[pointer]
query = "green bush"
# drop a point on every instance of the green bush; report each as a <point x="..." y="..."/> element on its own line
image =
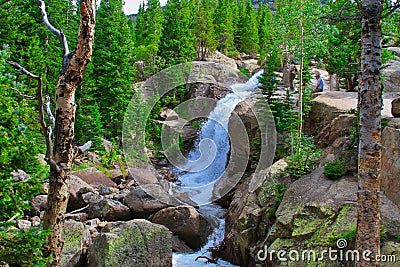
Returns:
<point x="335" y="169"/>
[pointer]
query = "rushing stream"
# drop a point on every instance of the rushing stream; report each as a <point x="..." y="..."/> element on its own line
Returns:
<point x="206" y="163"/>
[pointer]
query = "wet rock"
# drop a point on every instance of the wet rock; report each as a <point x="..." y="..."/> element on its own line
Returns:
<point x="186" y="222"/>
<point x="148" y="199"/>
<point x="132" y="243"/>
<point x="178" y="245"/>
<point x="77" y="188"/>
<point x="76" y="238"/>
<point x="94" y="177"/>
<point x="38" y="204"/>
<point x="109" y="210"/>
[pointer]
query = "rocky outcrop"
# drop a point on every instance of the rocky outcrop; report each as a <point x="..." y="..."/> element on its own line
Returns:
<point x="315" y="212"/>
<point x="142" y="176"/>
<point x="248" y="64"/>
<point x="148" y="199"/>
<point x="38" y="204"/>
<point x="94" y="177"/>
<point x="391" y="76"/>
<point x="338" y="127"/>
<point x="186" y="222"/>
<point x="391" y="160"/>
<point x="132" y="243"/>
<point x="251" y="213"/>
<point x="220" y="58"/>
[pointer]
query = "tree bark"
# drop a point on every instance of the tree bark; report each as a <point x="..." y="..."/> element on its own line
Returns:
<point x="74" y="66"/>
<point x="369" y="159"/>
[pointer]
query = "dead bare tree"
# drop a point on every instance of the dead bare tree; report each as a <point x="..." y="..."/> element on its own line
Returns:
<point x="60" y="134"/>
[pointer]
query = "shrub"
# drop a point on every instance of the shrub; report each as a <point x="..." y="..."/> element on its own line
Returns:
<point x="335" y="169"/>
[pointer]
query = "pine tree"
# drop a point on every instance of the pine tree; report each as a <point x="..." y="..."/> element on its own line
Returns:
<point x="247" y="36"/>
<point x="140" y="26"/>
<point x="224" y="28"/>
<point x="154" y="23"/>
<point x="110" y="78"/>
<point x="204" y="29"/>
<point x="177" y="40"/>
<point x="265" y="33"/>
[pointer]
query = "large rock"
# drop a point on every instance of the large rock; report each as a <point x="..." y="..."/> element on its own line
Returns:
<point x="94" y="177"/>
<point x="186" y="222"/>
<point x="109" y="210"/>
<point x="77" y="188"/>
<point x="391" y="160"/>
<point x="132" y="243"/>
<point x="391" y="76"/>
<point x="220" y="58"/>
<point x="148" y="199"/>
<point x="76" y="238"/>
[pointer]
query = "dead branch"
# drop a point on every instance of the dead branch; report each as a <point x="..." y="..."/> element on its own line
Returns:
<point x="208" y="259"/>
<point x="78" y="210"/>
<point x="58" y="33"/>
<point x="49" y="113"/>
<point x="23" y="95"/>
<point x="85" y="147"/>
<point x="19" y="68"/>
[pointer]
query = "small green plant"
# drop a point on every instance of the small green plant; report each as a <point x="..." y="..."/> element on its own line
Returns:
<point x="384" y="123"/>
<point x="335" y="169"/>
<point x="279" y="190"/>
<point x="398" y="238"/>
<point x="245" y="72"/>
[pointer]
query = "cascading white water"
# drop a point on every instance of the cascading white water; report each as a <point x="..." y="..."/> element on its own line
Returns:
<point x="207" y="162"/>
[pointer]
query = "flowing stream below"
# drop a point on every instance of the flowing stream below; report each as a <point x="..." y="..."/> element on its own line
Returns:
<point x="206" y="163"/>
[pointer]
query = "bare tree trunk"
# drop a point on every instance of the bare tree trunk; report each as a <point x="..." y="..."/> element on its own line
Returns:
<point x="369" y="159"/>
<point x="74" y="66"/>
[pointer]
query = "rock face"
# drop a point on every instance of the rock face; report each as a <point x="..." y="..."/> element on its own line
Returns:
<point x="338" y="127"/>
<point x="391" y="160"/>
<point x="186" y="222"/>
<point x="250" y="213"/>
<point x="248" y="64"/>
<point x="132" y="243"/>
<point x="315" y="212"/>
<point x="392" y="76"/>
<point x="94" y="177"/>
<point x="142" y="176"/>
<point x="148" y="199"/>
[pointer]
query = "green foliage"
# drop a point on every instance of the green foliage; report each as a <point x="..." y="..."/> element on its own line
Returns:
<point x="279" y="190"/>
<point x="22" y="248"/>
<point x="21" y="143"/>
<point x="203" y="28"/>
<point x="335" y="169"/>
<point x="224" y="19"/>
<point x="247" y="39"/>
<point x="303" y="157"/>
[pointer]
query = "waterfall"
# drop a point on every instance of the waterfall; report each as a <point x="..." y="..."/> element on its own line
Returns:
<point x="206" y="163"/>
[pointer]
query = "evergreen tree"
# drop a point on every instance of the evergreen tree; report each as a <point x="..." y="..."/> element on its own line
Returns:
<point x="204" y="29"/>
<point x="140" y="27"/>
<point x="248" y="40"/>
<point x="177" y="40"/>
<point x="224" y="28"/>
<point x="108" y="87"/>
<point x="154" y="22"/>
<point x="265" y="33"/>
